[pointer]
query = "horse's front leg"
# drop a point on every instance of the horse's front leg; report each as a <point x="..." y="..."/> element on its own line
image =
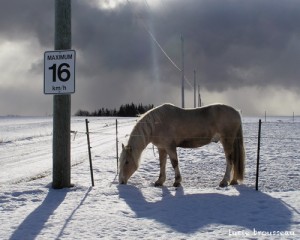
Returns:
<point x="174" y="161"/>
<point x="162" y="164"/>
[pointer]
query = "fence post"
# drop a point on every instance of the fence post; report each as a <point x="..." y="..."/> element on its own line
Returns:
<point x="265" y="116"/>
<point x="117" y="146"/>
<point x="293" y="116"/>
<point x="89" y="149"/>
<point x="258" y="152"/>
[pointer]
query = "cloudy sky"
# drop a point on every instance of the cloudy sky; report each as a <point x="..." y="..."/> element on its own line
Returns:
<point x="246" y="53"/>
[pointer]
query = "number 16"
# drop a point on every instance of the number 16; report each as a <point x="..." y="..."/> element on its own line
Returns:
<point x="61" y="72"/>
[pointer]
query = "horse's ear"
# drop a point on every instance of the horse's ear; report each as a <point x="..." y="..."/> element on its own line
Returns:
<point x="129" y="148"/>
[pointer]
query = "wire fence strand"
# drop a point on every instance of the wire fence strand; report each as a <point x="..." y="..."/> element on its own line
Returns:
<point x="105" y="129"/>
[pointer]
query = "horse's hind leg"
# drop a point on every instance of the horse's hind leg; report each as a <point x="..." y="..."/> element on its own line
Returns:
<point x="227" y="174"/>
<point x="162" y="164"/>
<point x="174" y="161"/>
<point x="228" y="148"/>
<point x="234" y="180"/>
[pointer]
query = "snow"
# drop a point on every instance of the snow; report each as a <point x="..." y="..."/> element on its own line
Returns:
<point x="31" y="209"/>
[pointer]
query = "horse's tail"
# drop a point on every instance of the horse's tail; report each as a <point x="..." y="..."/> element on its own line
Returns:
<point x="238" y="155"/>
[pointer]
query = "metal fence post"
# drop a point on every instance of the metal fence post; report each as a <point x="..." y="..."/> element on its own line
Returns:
<point x="89" y="149"/>
<point x="117" y="146"/>
<point x="258" y="153"/>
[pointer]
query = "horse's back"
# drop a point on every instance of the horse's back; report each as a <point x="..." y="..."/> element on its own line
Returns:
<point x="219" y="111"/>
<point x="194" y="127"/>
<point x="210" y="113"/>
<point x="221" y="117"/>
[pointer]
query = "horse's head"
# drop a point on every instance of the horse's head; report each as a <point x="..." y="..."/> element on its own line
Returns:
<point x="127" y="164"/>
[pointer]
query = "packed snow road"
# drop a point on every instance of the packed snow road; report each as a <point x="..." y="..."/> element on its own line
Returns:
<point x="26" y="144"/>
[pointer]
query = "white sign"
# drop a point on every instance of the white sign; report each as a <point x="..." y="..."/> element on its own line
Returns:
<point x="59" y="72"/>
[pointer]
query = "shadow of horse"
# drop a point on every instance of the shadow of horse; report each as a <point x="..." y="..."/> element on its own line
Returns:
<point x="191" y="212"/>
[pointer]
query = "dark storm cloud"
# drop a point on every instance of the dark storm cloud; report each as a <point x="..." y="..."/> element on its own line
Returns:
<point x="111" y="37"/>
<point x="21" y="19"/>
<point x="231" y="43"/>
<point x="239" y="42"/>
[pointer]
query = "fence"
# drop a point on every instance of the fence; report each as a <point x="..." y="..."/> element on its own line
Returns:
<point x="280" y="155"/>
<point x="277" y="151"/>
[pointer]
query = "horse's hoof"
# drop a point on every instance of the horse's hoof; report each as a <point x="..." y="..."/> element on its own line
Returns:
<point x="176" y="184"/>
<point x="223" y="184"/>
<point x="157" y="184"/>
<point x="234" y="182"/>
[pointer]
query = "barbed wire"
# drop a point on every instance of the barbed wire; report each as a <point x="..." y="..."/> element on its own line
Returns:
<point x="190" y="138"/>
<point x="107" y="126"/>
<point x="280" y="122"/>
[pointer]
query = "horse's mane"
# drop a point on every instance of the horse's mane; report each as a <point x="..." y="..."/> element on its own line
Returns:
<point x="142" y="131"/>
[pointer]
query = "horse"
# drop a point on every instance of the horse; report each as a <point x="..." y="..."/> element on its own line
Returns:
<point x="168" y="127"/>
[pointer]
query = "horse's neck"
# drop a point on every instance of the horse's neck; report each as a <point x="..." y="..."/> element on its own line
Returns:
<point x="139" y="139"/>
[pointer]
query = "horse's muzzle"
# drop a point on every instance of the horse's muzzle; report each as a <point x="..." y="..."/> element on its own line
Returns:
<point x="122" y="181"/>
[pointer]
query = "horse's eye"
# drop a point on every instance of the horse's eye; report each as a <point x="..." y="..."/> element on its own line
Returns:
<point x="126" y="162"/>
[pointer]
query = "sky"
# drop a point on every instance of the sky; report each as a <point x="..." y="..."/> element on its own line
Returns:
<point x="246" y="54"/>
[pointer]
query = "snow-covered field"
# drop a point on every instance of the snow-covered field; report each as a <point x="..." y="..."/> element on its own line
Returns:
<point x="31" y="209"/>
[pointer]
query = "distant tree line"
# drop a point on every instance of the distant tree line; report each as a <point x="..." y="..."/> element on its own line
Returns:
<point x="127" y="110"/>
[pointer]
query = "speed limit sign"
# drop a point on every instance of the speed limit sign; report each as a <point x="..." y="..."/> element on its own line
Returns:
<point x="59" y="72"/>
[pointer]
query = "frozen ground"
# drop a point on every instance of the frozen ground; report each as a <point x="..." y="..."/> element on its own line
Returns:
<point x="30" y="209"/>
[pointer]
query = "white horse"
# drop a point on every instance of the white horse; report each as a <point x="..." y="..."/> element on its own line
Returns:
<point x="169" y="127"/>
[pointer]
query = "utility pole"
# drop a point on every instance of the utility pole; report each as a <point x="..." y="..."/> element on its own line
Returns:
<point x="199" y="97"/>
<point x="194" y="88"/>
<point x="182" y="72"/>
<point x="62" y="103"/>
